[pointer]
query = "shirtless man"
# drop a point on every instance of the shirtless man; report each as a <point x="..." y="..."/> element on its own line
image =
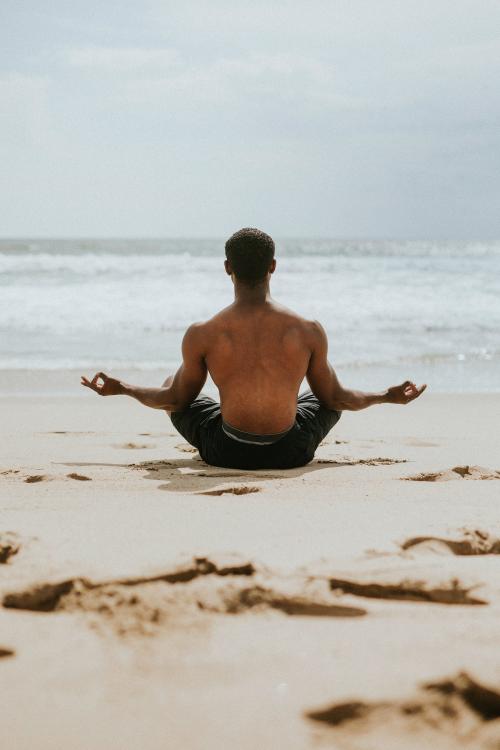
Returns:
<point x="257" y="353"/>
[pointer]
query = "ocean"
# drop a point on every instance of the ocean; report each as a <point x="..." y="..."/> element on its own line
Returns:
<point x="428" y="311"/>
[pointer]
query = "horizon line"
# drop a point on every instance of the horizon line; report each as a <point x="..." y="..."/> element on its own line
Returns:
<point x="218" y="238"/>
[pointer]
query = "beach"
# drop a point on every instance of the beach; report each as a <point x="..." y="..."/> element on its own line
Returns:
<point x="247" y="201"/>
<point x="151" y="600"/>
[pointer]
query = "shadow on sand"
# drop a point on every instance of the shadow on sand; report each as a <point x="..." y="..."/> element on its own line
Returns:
<point x="195" y="476"/>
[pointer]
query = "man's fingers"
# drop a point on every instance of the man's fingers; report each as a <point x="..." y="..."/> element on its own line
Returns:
<point x="98" y="376"/>
<point x="411" y="391"/>
<point x="92" y="384"/>
<point x="417" y="392"/>
<point x="406" y="392"/>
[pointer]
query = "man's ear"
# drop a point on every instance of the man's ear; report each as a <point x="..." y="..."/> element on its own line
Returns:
<point x="272" y="267"/>
<point x="228" y="268"/>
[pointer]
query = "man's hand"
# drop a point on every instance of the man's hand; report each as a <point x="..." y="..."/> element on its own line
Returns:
<point x="404" y="393"/>
<point x="108" y="387"/>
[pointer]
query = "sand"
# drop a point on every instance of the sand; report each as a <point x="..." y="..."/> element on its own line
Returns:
<point x="152" y="601"/>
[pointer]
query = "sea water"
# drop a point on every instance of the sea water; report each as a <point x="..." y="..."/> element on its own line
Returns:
<point x="393" y="310"/>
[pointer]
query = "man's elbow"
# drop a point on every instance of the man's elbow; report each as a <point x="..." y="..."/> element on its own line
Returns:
<point x="334" y="404"/>
<point x="343" y="402"/>
<point x="175" y="403"/>
<point x="343" y="406"/>
<point x="167" y="401"/>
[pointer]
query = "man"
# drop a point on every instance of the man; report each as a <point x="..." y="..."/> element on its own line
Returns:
<point x="257" y="353"/>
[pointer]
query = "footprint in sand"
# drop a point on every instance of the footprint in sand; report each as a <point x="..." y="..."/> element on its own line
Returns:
<point x="134" y="446"/>
<point x="451" y="592"/>
<point x="7" y="472"/>
<point x="362" y="461"/>
<point x="9" y="546"/>
<point x="169" y="466"/>
<point x="473" y="542"/>
<point x="220" y="474"/>
<point x="35" y="478"/>
<point x="186" y="448"/>
<point x="441" y="714"/>
<point x="242" y="490"/>
<point x="78" y="477"/>
<point x="261" y="598"/>
<point x="46" y="597"/>
<point x="457" y="472"/>
<point x="223" y="585"/>
<point x="140" y="607"/>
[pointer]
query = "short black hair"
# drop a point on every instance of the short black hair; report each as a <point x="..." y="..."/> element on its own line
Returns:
<point x="250" y="252"/>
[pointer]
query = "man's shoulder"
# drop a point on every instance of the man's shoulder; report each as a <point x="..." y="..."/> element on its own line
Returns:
<point x="196" y="328"/>
<point x="292" y="315"/>
<point x="195" y="334"/>
<point x="309" y="327"/>
<point x="228" y="315"/>
<point x="200" y="330"/>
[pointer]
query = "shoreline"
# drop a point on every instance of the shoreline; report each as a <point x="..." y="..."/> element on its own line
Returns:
<point x="18" y="383"/>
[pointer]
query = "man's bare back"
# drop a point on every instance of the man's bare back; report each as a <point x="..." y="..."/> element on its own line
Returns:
<point x="257" y="356"/>
<point x="257" y="353"/>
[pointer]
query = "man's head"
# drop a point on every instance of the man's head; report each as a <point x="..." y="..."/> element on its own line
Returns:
<point x="250" y="255"/>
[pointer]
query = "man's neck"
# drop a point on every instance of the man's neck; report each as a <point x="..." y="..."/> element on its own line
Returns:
<point x="252" y="295"/>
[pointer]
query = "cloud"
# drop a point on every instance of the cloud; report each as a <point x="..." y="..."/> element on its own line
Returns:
<point x="162" y="77"/>
<point x="348" y="116"/>
<point x="228" y="78"/>
<point x="121" y="59"/>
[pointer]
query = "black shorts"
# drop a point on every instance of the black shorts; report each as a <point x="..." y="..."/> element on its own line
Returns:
<point x="201" y="425"/>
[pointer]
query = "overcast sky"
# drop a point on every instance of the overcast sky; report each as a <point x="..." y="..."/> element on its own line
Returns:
<point x="341" y="118"/>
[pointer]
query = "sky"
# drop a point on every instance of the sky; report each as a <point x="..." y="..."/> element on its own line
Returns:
<point x="326" y="118"/>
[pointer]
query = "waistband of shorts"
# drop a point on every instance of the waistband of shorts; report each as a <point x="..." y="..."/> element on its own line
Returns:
<point x="252" y="438"/>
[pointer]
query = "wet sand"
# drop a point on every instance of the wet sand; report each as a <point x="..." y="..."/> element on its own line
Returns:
<point x="152" y="601"/>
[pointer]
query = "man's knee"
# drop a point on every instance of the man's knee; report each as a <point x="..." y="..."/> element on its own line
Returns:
<point x="333" y="418"/>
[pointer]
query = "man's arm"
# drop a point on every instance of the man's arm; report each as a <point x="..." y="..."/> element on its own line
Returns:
<point x="326" y="387"/>
<point x="180" y="391"/>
